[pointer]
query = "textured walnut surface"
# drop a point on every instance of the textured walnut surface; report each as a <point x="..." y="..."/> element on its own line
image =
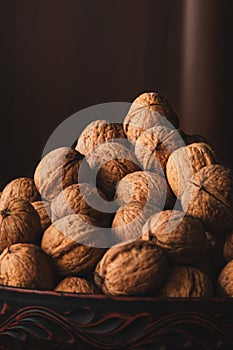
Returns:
<point x="186" y="282"/>
<point x="129" y="220"/>
<point x="131" y="269"/>
<point x="22" y="187"/>
<point x="73" y="243"/>
<point x="228" y="246"/>
<point x="19" y="223"/>
<point x="43" y="209"/>
<point x="148" y="110"/>
<point x="82" y="198"/>
<point x="26" y="266"/>
<point x="225" y="281"/>
<point x="155" y="145"/>
<point x="182" y="237"/>
<point x="111" y="161"/>
<point x="56" y="171"/>
<point x="144" y="187"/>
<point x="97" y="132"/>
<point x="209" y="197"/>
<point x="185" y="162"/>
<point x="76" y="285"/>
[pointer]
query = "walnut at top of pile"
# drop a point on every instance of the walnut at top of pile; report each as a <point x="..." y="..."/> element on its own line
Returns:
<point x="22" y="187"/>
<point x="97" y="132"/>
<point x="57" y="170"/>
<point x="148" y="110"/>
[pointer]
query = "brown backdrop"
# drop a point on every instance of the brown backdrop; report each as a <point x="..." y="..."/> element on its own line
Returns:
<point x="58" y="57"/>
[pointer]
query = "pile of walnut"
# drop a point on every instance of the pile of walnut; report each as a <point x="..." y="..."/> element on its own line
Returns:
<point x="173" y="223"/>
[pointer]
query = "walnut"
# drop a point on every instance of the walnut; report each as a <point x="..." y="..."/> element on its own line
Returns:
<point x="97" y="132"/>
<point x="155" y="146"/>
<point x="111" y="162"/>
<point x="129" y="220"/>
<point x="144" y="187"/>
<point x="73" y="243"/>
<point x="182" y="237"/>
<point x="43" y="209"/>
<point x="148" y="110"/>
<point x="76" y="285"/>
<point x="84" y="199"/>
<point x="228" y="246"/>
<point x="184" y="282"/>
<point x="26" y="266"/>
<point x="225" y="281"/>
<point x="56" y="171"/>
<point x="19" y="223"/>
<point x="209" y="197"/>
<point x="185" y="162"/>
<point x="22" y="187"/>
<point x="135" y="268"/>
<point x="206" y="266"/>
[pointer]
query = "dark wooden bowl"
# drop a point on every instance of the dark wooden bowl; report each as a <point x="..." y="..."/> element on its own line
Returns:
<point x="53" y="320"/>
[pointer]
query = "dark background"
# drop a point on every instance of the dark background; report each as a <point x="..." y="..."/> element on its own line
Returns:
<point x="58" y="57"/>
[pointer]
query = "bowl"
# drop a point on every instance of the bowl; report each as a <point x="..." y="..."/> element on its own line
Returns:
<point x="55" y="320"/>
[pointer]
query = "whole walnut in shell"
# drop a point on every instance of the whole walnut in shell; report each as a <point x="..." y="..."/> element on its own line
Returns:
<point x="148" y="110"/>
<point x="225" y="281"/>
<point x="97" y="132"/>
<point x="111" y="162"/>
<point x="182" y="237"/>
<point x="185" y="162"/>
<point x="19" y="223"/>
<point x="129" y="220"/>
<point x="135" y="268"/>
<point x="75" y="244"/>
<point x="84" y="199"/>
<point x="228" y="246"/>
<point x="155" y="146"/>
<point x="209" y="197"/>
<point x="43" y="209"/>
<point x="56" y="171"/>
<point x="76" y="285"/>
<point x="22" y="187"/>
<point x="186" y="282"/>
<point x="144" y="187"/>
<point x="26" y="266"/>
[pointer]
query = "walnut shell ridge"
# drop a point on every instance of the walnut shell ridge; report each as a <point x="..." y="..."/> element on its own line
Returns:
<point x="26" y="266"/>
<point x="135" y="268"/>
<point x="73" y="284"/>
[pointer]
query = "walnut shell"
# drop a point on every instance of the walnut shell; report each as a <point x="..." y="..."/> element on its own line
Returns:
<point x="84" y="199"/>
<point x="225" y="281"/>
<point x="73" y="243"/>
<point x="56" y="171"/>
<point x="185" y="162"/>
<point x="155" y="146"/>
<point x="209" y="197"/>
<point x="182" y="237"/>
<point x="23" y="188"/>
<point x="186" y="282"/>
<point x="76" y="285"/>
<point x="144" y="187"/>
<point x="97" y="132"/>
<point x="129" y="220"/>
<point x="26" y="266"/>
<point x="19" y="223"/>
<point x="228" y="247"/>
<point x="135" y="268"/>
<point x="111" y="162"/>
<point x="148" y="110"/>
<point x="43" y="209"/>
